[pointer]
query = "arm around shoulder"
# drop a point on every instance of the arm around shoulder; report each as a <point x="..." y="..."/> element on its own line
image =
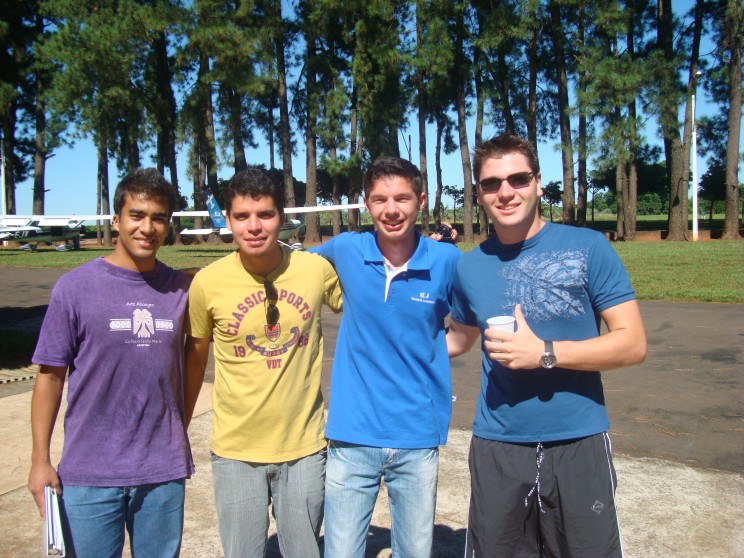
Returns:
<point x="460" y="338"/>
<point x="196" y="356"/>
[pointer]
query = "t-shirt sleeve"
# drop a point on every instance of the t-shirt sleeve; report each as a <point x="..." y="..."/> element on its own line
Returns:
<point x="609" y="283"/>
<point x="462" y="311"/>
<point x="58" y="339"/>
<point x="200" y="321"/>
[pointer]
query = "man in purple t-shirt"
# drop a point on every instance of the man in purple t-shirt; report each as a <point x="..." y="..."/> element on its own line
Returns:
<point x="117" y="324"/>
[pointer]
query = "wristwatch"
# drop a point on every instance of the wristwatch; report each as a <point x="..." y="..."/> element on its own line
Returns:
<point x="548" y="359"/>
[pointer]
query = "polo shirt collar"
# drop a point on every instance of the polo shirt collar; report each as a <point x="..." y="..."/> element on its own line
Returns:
<point x="419" y="260"/>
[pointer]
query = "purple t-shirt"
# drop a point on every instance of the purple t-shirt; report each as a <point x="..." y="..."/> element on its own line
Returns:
<point x="121" y="333"/>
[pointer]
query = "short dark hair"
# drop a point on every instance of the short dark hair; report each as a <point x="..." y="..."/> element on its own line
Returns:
<point x="499" y="146"/>
<point x="386" y="167"/>
<point x="149" y="183"/>
<point x="254" y="183"/>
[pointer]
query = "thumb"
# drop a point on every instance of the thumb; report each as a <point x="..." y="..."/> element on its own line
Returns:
<point x="519" y="317"/>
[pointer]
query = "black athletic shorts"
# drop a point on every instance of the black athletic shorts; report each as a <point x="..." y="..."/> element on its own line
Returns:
<point x="554" y="499"/>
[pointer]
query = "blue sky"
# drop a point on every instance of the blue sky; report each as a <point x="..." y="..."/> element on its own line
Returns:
<point x="71" y="173"/>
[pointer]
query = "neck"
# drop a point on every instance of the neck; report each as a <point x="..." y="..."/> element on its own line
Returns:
<point x="397" y="252"/>
<point x="141" y="266"/>
<point x="510" y="235"/>
<point x="261" y="265"/>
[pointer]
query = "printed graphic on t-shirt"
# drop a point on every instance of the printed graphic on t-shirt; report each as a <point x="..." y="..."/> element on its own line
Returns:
<point x="143" y="325"/>
<point x="548" y="284"/>
<point x="275" y="340"/>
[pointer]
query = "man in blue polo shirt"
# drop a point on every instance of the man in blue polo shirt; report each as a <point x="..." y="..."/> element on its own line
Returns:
<point x="391" y="393"/>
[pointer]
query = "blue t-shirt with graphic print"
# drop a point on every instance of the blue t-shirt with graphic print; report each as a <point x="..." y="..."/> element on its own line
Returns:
<point x="563" y="277"/>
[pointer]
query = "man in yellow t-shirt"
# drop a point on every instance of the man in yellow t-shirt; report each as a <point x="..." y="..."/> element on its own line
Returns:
<point x="261" y="307"/>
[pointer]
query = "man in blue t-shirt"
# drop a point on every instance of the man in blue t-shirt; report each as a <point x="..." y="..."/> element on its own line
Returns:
<point x="391" y="394"/>
<point x="542" y="480"/>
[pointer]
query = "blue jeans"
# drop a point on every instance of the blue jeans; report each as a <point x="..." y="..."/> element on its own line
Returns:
<point x="243" y="492"/>
<point x="353" y="477"/>
<point x="94" y="518"/>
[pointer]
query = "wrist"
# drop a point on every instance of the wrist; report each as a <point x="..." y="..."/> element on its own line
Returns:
<point x="548" y="359"/>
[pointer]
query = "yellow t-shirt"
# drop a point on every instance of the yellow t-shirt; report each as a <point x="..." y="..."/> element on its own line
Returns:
<point x="268" y="407"/>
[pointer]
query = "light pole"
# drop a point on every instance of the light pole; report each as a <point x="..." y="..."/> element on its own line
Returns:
<point x="694" y="164"/>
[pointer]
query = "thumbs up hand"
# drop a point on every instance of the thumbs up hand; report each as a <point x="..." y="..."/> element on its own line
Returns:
<point x="519" y="350"/>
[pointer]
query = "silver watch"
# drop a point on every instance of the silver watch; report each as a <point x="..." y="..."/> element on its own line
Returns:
<point x="548" y="359"/>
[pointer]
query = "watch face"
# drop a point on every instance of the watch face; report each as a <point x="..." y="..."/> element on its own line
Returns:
<point x="548" y="360"/>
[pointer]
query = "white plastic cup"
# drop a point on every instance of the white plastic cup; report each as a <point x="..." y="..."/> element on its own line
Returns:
<point x="502" y="323"/>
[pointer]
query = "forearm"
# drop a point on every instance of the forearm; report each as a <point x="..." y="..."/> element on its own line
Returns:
<point x="45" y="402"/>
<point x="460" y="338"/>
<point x="196" y="356"/>
<point x="614" y="349"/>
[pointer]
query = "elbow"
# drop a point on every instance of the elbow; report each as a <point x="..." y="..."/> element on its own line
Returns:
<point x="637" y="354"/>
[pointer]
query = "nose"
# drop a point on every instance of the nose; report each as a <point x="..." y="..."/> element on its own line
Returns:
<point x="390" y="206"/>
<point x="146" y="225"/>
<point x="505" y="190"/>
<point x="253" y="224"/>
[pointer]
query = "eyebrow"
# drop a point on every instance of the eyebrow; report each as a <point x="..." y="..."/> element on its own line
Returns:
<point x="140" y="212"/>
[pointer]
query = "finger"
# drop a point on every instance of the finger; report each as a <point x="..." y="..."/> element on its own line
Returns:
<point x="519" y="318"/>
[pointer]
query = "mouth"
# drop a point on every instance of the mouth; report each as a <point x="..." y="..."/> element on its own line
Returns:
<point x="146" y="243"/>
<point x="254" y="242"/>
<point x="393" y="226"/>
<point x="508" y="207"/>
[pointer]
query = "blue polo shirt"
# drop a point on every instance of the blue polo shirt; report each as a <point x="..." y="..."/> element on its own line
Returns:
<point x="391" y="384"/>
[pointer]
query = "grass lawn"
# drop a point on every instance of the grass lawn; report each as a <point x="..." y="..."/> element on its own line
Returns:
<point x="710" y="271"/>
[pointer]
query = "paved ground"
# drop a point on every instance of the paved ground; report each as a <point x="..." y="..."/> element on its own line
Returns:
<point x="677" y="428"/>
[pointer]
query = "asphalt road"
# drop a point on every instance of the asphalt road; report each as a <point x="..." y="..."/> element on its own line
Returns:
<point x="684" y="404"/>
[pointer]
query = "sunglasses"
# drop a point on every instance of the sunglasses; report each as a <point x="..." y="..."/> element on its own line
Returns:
<point x="516" y="180"/>
<point x="272" y="311"/>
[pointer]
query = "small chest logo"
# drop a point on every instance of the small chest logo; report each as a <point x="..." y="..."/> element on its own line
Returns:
<point x="273" y="332"/>
<point x="142" y="324"/>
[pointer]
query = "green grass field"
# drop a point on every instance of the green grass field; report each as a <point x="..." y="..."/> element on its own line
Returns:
<point x="711" y="271"/>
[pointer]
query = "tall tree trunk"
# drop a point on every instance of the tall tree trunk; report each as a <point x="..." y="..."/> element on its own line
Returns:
<point x="270" y="133"/>
<point x="460" y="102"/>
<point x="312" y="234"/>
<point x="734" y="46"/>
<point x="285" y="132"/>
<point x="40" y="151"/>
<point x="438" y="167"/>
<point x="621" y="182"/>
<point x="556" y="32"/>
<point x="166" y="116"/>
<point x="236" y="127"/>
<point x="479" y="118"/>
<point x="582" y="139"/>
<point x="9" y="126"/>
<point x="532" y="88"/>
<point x="503" y="86"/>
<point x="678" y="150"/>
<point x="422" y="113"/>
<point x="336" y="216"/>
<point x="103" y="184"/>
<point x="355" y="149"/>
<point x="631" y="209"/>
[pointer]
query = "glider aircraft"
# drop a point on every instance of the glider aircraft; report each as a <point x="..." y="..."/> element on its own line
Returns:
<point x="33" y="229"/>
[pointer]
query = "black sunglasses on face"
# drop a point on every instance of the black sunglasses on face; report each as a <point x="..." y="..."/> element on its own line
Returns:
<point x="272" y="312"/>
<point x="516" y="180"/>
